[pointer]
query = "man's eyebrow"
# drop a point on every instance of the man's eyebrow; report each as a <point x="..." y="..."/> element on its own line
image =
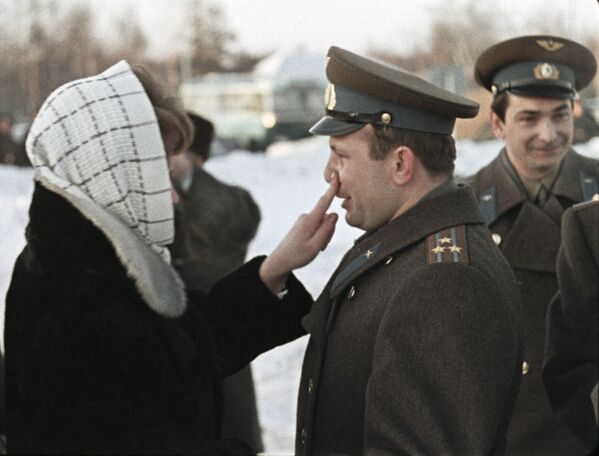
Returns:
<point x="561" y="107"/>
<point x="529" y="112"/>
<point x="536" y="112"/>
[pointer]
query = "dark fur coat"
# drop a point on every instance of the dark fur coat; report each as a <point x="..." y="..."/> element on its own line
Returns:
<point x="91" y="368"/>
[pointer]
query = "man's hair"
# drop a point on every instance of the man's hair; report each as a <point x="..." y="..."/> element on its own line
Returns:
<point x="435" y="151"/>
<point x="175" y="127"/>
<point x="499" y="105"/>
<point x="204" y="134"/>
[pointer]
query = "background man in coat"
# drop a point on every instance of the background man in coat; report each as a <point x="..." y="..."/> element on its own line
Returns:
<point x="570" y="367"/>
<point x="215" y="223"/>
<point x="523" y="194"/>
<point x="415" y="344"/>
<point x="11" y="153"/>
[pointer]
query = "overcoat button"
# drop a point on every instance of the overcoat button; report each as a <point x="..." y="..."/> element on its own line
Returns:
<point x="304" y="435"/>
<point x="352" y="292"/>
<point x="388" y="260"/>
<point x="525" y="368"/>
<point x="496" y="238"/>
<point x="310" y="386"/>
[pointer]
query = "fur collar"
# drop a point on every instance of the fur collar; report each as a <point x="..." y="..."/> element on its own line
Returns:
<point x="157" y="282"/>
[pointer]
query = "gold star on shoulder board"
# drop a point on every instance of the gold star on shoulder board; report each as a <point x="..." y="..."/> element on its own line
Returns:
<point x="369" y="253"/>
<point x="455" y="248"/>
<point x="438" y="249"/>
<point x="446" y="240"/>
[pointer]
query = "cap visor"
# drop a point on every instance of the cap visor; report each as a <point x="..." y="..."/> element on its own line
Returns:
<point x="327" y="126"/>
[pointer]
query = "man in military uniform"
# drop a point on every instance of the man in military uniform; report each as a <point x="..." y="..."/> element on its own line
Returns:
<point x="523" y="194"/>
<point x="415" y="342"/>
<point x="570" y="368"/>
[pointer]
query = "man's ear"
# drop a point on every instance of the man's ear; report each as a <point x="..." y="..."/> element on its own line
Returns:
<point x="497" y="126"/>
<point x="402" y="161"/>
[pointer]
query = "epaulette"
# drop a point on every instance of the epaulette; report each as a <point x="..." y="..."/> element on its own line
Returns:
<point x="448" y="246"/>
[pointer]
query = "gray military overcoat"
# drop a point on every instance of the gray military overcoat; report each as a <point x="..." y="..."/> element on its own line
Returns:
<point x="415" y="342"/>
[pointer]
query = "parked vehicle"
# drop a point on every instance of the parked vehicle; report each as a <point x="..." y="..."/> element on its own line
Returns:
<point x="281" y="99"/>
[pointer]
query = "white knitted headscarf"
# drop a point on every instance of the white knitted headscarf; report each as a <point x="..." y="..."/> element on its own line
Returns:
<point x="99" y="138"/>
<point x="96" y="142"/>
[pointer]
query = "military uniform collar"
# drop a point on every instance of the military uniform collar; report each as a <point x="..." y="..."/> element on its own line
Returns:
<point x="567" y="183"/>
<point x="447" y="205"/>
<point x="500" y="174"/>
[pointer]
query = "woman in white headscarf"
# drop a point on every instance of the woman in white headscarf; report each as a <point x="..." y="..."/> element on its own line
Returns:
<point x="106" y="352"/>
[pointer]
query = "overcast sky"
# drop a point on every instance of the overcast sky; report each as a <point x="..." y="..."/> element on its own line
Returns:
<point x="263" y="25"/>
<point x="398" y="25"/>
<point x="358" y="24"/>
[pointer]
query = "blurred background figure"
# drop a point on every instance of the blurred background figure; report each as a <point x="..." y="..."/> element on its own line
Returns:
<point x="215" y="223"/>
<point x="585" y="125"/>
<point x="11" y="153"/>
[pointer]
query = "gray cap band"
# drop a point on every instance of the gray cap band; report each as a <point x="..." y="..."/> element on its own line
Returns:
<point x="348" y="102"/>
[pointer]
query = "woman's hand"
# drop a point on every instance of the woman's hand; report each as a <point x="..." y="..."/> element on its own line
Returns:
<point x="309" y="235"/>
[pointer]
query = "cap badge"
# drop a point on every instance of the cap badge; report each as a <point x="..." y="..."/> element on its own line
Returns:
<point x="550" y="45"/>
<point x="546" y="71"/>
<point x="330" y="98"/>
<point x="386" y="118"/>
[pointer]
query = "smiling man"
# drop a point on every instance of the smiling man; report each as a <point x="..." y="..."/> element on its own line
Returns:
<point x="415" y="343"/>
<point x="523" y="194"/>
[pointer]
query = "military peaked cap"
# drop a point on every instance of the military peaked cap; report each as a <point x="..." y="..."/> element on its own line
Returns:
<point x="538" y="65"/>
<point x="364" y="91"/>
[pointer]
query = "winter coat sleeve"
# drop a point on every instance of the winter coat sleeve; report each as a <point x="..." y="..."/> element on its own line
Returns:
<point x="450" y="340"/>
<point x="246" y="319"/>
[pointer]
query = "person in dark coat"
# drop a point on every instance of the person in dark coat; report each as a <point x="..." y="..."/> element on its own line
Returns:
<point x="585" y="125"/>
<point x="11" y="153"/>
<point x="214" y="224"/>
<point x="106" y="351"/>
<point x="570" y="368"/>
<point x="415" y="343"/>
<point x="523" y="194"/>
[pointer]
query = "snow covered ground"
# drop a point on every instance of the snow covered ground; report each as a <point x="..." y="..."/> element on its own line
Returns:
<point x="285" y="182"/>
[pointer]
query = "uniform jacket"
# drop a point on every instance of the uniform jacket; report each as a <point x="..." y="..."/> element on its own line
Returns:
<point x="215" y="223"/>
<point x="529" y="238"/>
<point x="415" y="344"/>
<point x="92" y="369"/>
<point x="571" y="358"/>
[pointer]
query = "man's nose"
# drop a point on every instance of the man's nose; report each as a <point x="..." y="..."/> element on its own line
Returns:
<point x="329" y="168"/>
<point x="547" y="131"/>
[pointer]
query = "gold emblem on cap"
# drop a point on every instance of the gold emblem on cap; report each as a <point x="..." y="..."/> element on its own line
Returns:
<point x="330" y="98"/>
<point x="546" y="71"/>
<point x="386" y="118"/>
<point x="550" y="45"/>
